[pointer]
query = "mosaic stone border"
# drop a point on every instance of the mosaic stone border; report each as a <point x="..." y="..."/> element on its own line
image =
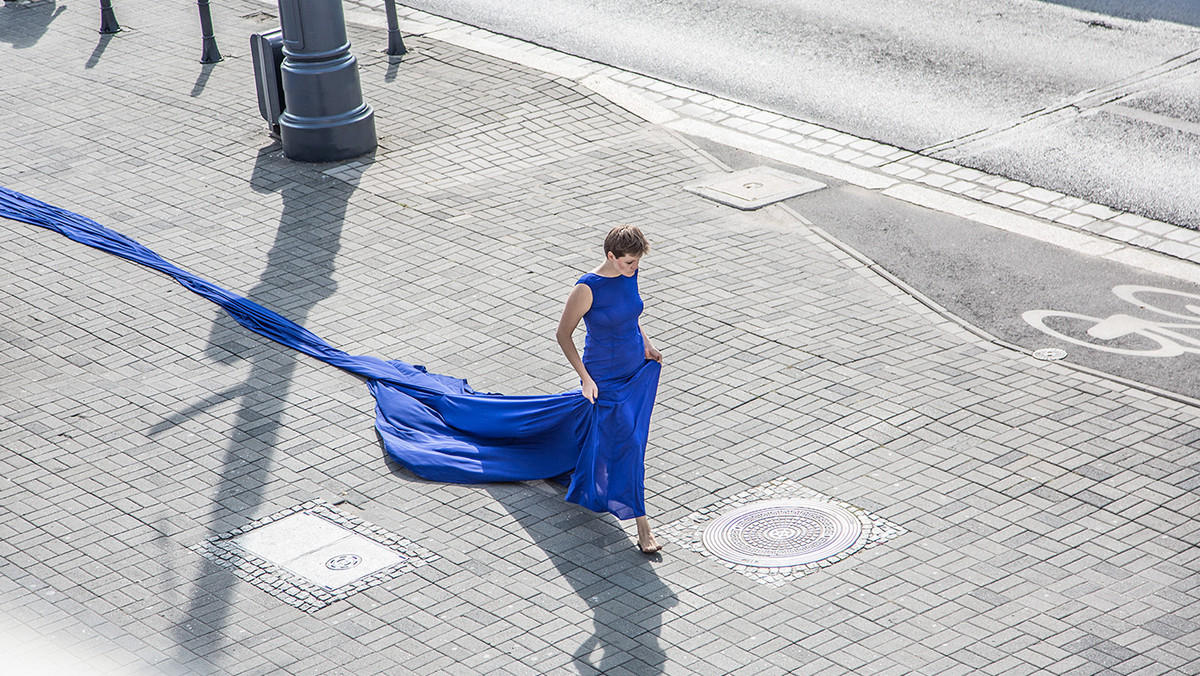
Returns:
<point x="688" y="532"/>
<point x="299" y="591"/>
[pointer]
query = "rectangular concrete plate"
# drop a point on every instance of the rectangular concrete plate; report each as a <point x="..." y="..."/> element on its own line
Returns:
<point x="313" y="554"/>
<point x="318" y="550"/>
<point x="754" y="188"/>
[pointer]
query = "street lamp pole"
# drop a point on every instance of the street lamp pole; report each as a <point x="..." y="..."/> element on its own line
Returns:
<point x="325" y="118"/>
<point x="395" y="48"/>
<point x="209" y="53"/>
<point x="108" y="19"/>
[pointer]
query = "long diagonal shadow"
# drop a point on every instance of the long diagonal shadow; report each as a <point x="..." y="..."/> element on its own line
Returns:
<point x="298" y="275"/>
<point x="598" y="559"/>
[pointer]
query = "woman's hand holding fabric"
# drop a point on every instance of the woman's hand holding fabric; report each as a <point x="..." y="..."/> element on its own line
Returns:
<point x="590" y="391"/>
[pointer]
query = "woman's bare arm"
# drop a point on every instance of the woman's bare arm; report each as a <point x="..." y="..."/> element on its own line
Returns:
<point x="578" y="303"/>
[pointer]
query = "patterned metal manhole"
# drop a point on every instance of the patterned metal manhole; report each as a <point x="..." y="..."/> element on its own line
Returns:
<point x="781" y="533"/>
<point x="1049" y="354"/>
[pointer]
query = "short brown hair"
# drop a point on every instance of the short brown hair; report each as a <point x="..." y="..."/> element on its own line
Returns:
<point x="626" y="240"/>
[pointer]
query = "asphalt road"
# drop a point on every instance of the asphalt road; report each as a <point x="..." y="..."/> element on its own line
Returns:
<point x="991" y="278"/>
<point x="1094" y="98"/>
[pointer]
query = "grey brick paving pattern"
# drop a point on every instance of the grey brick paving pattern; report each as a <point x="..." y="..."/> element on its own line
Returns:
<point x="1051" y="515"/>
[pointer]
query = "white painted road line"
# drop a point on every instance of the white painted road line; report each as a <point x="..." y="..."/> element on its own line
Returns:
<point x="1153" y="118"/>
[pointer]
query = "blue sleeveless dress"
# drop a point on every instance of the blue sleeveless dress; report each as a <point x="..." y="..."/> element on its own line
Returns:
<point x="610" y="473"/>
<point x="438" y="426"/>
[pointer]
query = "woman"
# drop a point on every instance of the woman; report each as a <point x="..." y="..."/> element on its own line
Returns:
<point x="616" y="380"/>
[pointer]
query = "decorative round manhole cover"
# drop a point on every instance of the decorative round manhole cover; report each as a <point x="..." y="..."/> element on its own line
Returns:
<point x="1049" y="354"/>
<point x="782" y="533"/>
<point x="343" y="562"/>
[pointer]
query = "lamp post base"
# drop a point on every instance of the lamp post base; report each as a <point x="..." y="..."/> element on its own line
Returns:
<point x="209" y="53"/>
<point x="328" y="139"/>
<point x="324" y="116"/>
<point x="108" y="19"/>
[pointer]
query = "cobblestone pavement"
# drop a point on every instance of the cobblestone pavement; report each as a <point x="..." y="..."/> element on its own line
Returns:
<point x="1050" y="515"/>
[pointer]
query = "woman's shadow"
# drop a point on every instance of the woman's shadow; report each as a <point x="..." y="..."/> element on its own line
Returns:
<point x="603" y="565"/>
<point x="604" y="568"/>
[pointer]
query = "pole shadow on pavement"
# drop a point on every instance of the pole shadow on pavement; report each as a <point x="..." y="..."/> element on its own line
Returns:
<point x="94" y="58"/>
<point x="202" y="79"/>
<point x="23" y="25"/>
<point x="298" y="275"/>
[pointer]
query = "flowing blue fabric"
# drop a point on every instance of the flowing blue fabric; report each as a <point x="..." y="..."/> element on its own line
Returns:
<point x="436" y="425"/>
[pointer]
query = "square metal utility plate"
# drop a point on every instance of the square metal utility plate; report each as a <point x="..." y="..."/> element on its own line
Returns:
<point x="754" y="188"/>
<point x="313" y="554"/>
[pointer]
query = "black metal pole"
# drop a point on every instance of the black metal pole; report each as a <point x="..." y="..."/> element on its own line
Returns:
<point x="324" y="116"/>
<point x="395" y="42"/>
<point x="210" y="53"/>
<point x="108" y="20"/>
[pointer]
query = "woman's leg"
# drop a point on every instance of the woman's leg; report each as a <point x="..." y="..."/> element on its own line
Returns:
<point x="646" y="541"/>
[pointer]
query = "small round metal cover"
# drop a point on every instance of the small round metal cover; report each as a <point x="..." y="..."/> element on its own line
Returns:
<point x="783" y="533"/>
<point x="1049" y="354"/>
<point x="343" y="562"/>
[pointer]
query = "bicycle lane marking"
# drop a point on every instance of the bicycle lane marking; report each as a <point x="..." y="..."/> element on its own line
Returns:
<point x="1170" y="341"/>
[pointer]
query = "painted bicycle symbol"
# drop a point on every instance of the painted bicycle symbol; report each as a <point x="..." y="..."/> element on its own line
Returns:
<point x="1159" y="338"/>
